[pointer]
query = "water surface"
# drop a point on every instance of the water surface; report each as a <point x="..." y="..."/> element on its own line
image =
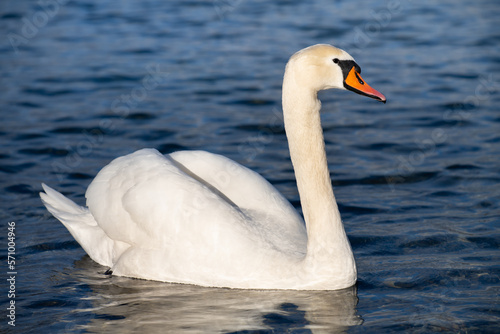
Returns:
<point x="417" y="179"/>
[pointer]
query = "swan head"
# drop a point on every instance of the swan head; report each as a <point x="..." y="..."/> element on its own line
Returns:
<point x="323" y="66"/>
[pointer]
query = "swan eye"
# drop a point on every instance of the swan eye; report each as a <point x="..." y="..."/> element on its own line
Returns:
<point x="336" y="60"/>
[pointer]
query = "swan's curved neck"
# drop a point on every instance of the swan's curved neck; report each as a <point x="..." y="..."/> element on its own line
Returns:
<point x="301" y="110"/>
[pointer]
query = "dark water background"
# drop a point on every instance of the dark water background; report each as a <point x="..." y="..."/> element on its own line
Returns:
<point x="417" y="179"/>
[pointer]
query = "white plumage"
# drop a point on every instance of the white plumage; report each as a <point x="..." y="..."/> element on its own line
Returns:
<point x="200" y="218"/>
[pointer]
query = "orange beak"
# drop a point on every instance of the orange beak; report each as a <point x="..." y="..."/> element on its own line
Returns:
<point x="355" y="83"/>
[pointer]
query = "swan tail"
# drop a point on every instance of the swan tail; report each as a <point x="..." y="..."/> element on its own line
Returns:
<point x="81" y="224"/>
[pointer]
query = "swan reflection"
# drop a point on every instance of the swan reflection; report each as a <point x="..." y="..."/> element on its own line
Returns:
<point x="125" y="305"/>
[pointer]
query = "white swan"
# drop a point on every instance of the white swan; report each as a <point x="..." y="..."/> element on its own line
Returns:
<point x="200" y="218"/>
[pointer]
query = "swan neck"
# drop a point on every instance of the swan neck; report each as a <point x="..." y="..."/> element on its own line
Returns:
<point x="301" y="110"/>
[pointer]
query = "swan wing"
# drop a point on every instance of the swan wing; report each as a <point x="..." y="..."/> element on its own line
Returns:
<point x="145" y="199"/>
<point x="181" y="227"/>
<point x="270" y="213"/>
<point x="247" y="189"/>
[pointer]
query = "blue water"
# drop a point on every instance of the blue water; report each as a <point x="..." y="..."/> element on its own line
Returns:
<point x="417" y="180"/>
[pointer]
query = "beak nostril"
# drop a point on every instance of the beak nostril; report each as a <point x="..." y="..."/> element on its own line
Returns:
<point x="359" y="79"/>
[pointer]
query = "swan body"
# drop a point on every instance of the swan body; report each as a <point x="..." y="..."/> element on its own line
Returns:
<point x="199" y="218"/>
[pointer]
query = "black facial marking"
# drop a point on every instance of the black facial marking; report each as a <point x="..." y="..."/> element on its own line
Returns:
<point x="347" y="65"/>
